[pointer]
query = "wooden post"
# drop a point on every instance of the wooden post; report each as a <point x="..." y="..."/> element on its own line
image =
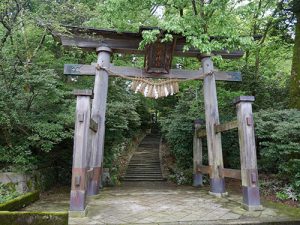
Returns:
<point x="214" y="145"/>
<point x="197" y="155"/>
<point x="98" y="115"/>
<point x="251" y="196"/>
<point x="79" y="169"/>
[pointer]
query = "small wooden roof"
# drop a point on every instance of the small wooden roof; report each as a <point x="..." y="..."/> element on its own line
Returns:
<point x="127" y="42"/>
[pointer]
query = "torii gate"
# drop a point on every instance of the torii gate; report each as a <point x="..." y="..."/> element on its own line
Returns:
<point x="90" y="126"/>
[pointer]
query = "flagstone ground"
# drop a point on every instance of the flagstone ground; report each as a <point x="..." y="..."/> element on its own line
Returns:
<point x="162" y="203"/>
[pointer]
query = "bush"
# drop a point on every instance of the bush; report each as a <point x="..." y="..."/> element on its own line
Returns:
<point x="278" y="140"/>
<point x="8" y="192"/>
<point x="181" y="177"/>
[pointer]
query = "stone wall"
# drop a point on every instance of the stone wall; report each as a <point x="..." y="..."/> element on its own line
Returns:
<point x="23" y="183"/>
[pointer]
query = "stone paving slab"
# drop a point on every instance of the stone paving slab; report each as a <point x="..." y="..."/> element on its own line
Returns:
<point x="156" y="203"/>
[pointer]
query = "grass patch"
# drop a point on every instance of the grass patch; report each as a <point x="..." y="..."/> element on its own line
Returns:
<point x="33" y="218"/>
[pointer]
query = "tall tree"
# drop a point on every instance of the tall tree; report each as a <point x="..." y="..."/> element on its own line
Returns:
<point x="295" y="75"/>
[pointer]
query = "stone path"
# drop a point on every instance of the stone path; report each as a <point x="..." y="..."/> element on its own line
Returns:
<point x="154" y="203"/>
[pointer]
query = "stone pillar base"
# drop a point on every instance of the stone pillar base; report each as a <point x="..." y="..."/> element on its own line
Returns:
<point x="197" y="180"/>
<point x="218" y="195"/>
<point x="94" y="183"/>
<point x="251" y="198"/>
<point x="217" y="186"/>
<point x="253" y="208"/>
<point x="78" y="214"/>
<point x="93" y="188"/>
<point x="77" y="200"/>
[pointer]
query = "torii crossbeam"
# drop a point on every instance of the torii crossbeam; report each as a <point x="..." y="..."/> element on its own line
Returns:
<point x="157" y="64"/>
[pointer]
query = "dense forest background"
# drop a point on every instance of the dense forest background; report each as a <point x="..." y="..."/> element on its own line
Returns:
<point x="37" y="106"/>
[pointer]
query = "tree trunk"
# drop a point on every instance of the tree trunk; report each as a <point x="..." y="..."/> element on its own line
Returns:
<point x="295" y="74"/>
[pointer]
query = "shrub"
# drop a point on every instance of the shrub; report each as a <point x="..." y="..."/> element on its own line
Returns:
<point x="278" y="140"/>
<point x="7" y="192"/>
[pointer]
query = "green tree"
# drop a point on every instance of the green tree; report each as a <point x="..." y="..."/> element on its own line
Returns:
<point x="295" y="74"/>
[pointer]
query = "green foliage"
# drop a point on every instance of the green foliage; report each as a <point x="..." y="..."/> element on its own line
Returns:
<point x="123" y="120"/>
<point x="278" y="135"/>
<point x="177" y="123"/>
<point x="282" y="195"/>
<point x="7" y="192"/>
<point x="37" y="110"/>
<point x="182" y="177"/>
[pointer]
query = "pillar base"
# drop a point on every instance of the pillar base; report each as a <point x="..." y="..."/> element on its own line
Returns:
<point x="197" y="180"/>
<point x="253" y="208"/>
<point x="217" y="186"/>
<point x="93" y="188"/>
<point x="78" y="214"/>
<point x="78" y="200"/>
<point x="251" y="198"/>
<point x="94" y="182"/>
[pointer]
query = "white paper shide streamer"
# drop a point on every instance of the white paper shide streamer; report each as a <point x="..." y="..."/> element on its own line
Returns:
<point x="155" y="90"/>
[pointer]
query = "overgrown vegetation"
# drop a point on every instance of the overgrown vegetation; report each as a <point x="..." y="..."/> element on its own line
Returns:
<point x="37" y="107"/>
<point x="8" y="192"/>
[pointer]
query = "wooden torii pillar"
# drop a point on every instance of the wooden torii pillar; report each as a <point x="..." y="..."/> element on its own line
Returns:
<point x="214" y="144"/>
<point x="98" y="114"/>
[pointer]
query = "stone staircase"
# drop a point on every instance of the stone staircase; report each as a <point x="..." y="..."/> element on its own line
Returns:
<point x="144" y="164"/>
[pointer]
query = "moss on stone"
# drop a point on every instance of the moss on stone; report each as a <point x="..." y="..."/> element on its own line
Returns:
<point x="283" y="209"/>
<point x="20" y="202"/>
<point x="33" y="218"/>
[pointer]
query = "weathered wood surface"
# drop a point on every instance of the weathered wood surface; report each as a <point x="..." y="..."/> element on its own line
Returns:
<point x="80" y="151"/>
<point x="214" y="145"/>
<point x="218" y="128"/>
<point x="98" y="115"/>
<point x="90" y="70"/>
<point x="93" y="125"/>
<point x="204" y="169"/>
<point x="232" y="173"/>
<point x="249" y="172"/>
<point x="246" y="141"/>
<point x="226" y="126"/>
<point x="128" y="43"/>
<point x="197" y="152"/>
<point x="197" y="158"/>
<point x="201" y="133"/>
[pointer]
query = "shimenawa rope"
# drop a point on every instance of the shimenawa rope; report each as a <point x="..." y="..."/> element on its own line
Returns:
<point x="151" y="88"/>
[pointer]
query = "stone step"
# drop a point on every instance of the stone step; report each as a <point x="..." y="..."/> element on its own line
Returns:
<point x="157" y="169"/>
<point x="144" y="179"/>
<point x="144" y="165"/>
<point x="138" y="163"/>
<point x="144" y="173"/>
<point x="145" y="162"/>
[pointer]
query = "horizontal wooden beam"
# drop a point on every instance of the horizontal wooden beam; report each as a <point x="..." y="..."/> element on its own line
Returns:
<point x="201" y="133"/>
<point x="204" y="169"/>
<point x="93" y="125"/>
<point x="90" y="70"/>
<point x="231" y="173"/>
<point x="131" y="46"/>
<point x="226" y="126"/>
